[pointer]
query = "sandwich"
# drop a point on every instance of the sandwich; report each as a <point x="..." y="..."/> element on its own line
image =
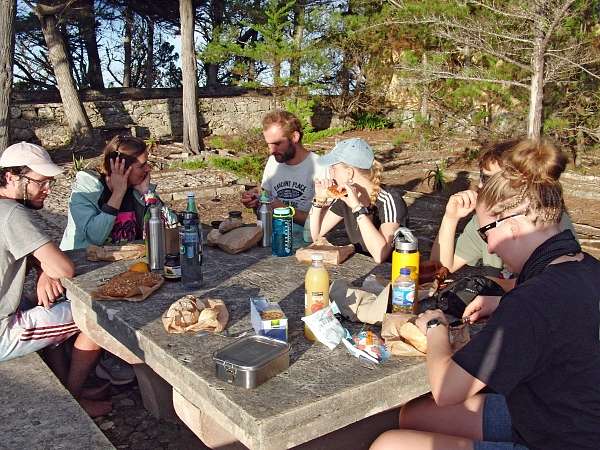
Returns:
<point x="336" y="192"/>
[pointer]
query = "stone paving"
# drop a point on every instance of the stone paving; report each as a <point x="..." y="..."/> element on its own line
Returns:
<point x="129" y="425"/>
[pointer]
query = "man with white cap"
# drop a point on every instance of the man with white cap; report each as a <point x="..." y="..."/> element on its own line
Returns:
<point x="26" y="177"/>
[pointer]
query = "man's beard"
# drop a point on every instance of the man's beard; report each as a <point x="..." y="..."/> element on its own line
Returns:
<point x="28" y="204"/>
<point x="288" y="154"/>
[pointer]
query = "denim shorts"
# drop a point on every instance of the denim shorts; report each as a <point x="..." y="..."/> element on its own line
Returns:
<point x="497" y="426"/>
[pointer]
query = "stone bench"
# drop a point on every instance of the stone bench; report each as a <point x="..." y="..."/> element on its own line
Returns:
<point x="38" y="412"/>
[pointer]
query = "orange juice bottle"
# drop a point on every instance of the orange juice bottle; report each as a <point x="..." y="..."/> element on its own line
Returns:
<point x="316" y="285"/>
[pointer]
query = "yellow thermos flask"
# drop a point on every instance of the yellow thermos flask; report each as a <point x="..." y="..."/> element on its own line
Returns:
<point x="406" y="254"/>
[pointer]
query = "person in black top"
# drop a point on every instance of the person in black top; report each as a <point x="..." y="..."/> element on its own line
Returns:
<point x="539" y="352"/>
<point x="371" y="213"/>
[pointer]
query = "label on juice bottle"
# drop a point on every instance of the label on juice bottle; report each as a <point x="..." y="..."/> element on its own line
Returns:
<point x="316" y="300"/>
<point x="403" y="296"/>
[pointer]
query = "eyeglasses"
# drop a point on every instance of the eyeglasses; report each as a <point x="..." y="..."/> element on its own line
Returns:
<point x="483" y="230"/>
<point x="42" y="184"/>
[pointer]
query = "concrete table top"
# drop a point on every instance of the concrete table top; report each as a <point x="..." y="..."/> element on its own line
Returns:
<point x="321" y="391"/>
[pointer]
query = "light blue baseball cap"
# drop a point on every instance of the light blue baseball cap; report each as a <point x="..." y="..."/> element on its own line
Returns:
<point x="355" y="152"/>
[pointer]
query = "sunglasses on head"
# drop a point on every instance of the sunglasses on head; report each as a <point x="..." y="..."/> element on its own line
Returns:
<point x="483" y="230"/>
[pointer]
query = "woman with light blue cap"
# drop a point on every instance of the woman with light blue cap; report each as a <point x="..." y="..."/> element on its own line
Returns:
<point x="371" y="213"/>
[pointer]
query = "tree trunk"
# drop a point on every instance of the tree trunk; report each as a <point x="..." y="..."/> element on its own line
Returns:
<point x="87" y="24"/>
<point x="298" y="34"/>
<point x="150" y="57"/>
<point x="191" y="136"/>
<point x="424" y="106"/>
<point x="7" y="43"/>
<point x="212" y="69"/>
<point x="534" y="123"/>
<point x="127" y="47"/>
<point x="77" y="119"/>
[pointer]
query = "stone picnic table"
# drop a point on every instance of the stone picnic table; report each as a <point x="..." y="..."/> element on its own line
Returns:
<point x="322" y="391"/>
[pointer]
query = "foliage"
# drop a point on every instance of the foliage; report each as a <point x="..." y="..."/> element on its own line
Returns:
<point x="314" y="136"/>
<point x="372" y="121"/>
<point x="79" y="163"/>
<point x="190" y="164"/>
<point x="250" y="166"/>
<point x="302" y="108"/>
<point x="403" y="137"/>
<point x="436" y="178"/>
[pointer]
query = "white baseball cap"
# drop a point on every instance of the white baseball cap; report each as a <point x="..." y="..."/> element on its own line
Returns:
<point x="30" y="155"/>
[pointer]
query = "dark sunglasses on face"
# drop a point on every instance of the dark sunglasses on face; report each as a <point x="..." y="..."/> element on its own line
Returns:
<point x="42" y="184"/>
<point x="483" y="230"/>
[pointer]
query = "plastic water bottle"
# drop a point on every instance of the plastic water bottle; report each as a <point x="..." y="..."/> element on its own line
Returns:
<point x="403" y="292"/>
<point x="265" y="218"/>
<point x="156" y="240"/>
<point x="191" y="250"/>
<point x="283" y="241"/>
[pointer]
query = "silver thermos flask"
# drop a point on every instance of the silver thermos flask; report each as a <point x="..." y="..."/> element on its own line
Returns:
<point x="265" y="216"/>
<point x="156" y="237"/>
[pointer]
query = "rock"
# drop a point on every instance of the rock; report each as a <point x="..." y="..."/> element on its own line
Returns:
<point x="212" y="238"/>
<point x="104" y="426"/>
<point x="126" y="402"/>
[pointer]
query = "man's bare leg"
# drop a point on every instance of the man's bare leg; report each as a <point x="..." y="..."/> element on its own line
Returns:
<point x="85" y="356"/>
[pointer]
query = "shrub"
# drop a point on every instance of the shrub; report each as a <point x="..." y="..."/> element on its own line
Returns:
<point x="372" y="121"/>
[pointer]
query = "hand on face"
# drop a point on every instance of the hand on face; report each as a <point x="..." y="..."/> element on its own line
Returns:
<point x="117" y="181"/>
<point x="461" y="204"/>
<point x="144" y="185"/>
<point x="321" y="187"/>
<point x="354" y="192"/>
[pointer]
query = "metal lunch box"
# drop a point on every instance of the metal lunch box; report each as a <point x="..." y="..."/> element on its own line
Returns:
<point x="252" y="360"/>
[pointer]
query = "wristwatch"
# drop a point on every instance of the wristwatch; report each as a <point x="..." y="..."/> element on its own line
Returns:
<point x="433" y="323"/>
<point x="360" y="211"/>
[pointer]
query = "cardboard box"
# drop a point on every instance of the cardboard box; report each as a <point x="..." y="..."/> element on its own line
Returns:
<point x="276" y="328"/>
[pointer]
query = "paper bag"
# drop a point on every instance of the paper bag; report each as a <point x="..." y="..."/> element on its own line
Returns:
<point x="240" y="239"/>
<point x="332" y="254"/>
<point x="358" y="305"/>
<point x="115" y="252"/>
<point x="143" y="292"/>
<point x="190" y="313"/>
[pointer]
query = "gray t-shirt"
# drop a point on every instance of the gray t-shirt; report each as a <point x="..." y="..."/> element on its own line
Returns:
<point x="293" y="185"/>
<point x="19" y="238"/>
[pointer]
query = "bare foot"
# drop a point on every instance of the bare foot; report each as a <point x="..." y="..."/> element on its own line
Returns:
<point x="101" y="392"/>
<point x="95" y="408"/>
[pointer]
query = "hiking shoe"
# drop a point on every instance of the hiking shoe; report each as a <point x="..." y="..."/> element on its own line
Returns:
<point x="114" y="369"/>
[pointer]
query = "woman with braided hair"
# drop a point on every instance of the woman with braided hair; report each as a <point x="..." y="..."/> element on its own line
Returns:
<point x="371" y="213"/>
<point x="539" y="351"/>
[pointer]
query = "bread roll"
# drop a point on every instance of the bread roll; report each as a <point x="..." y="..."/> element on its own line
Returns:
<point x="411" y="334"/>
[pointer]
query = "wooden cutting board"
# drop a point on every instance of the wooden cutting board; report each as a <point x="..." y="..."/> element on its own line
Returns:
<point x="332" y="254"/>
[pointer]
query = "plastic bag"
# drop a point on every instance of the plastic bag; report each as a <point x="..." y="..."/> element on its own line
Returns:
<point x="326" y="328"/>
<point x="366" y="345"/>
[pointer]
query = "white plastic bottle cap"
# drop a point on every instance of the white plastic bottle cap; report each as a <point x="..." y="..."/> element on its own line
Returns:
<point x="316" y="257"/>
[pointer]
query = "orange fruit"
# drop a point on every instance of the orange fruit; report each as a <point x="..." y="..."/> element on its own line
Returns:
<point x="139" y="267"/>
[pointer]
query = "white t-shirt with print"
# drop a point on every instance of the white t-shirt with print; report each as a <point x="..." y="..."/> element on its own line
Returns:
<point x="293" y="185"/>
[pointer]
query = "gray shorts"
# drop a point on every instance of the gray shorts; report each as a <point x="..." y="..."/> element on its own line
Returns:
<point x="30" y="330"/>
<point x="497" y="426"/>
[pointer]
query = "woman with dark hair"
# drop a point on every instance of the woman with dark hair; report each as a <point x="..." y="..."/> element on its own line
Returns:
<point x="539" y="351"/>
<point x="109" y="205"/>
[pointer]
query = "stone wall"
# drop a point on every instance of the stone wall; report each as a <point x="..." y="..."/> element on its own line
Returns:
<point x="157" y="117"/>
